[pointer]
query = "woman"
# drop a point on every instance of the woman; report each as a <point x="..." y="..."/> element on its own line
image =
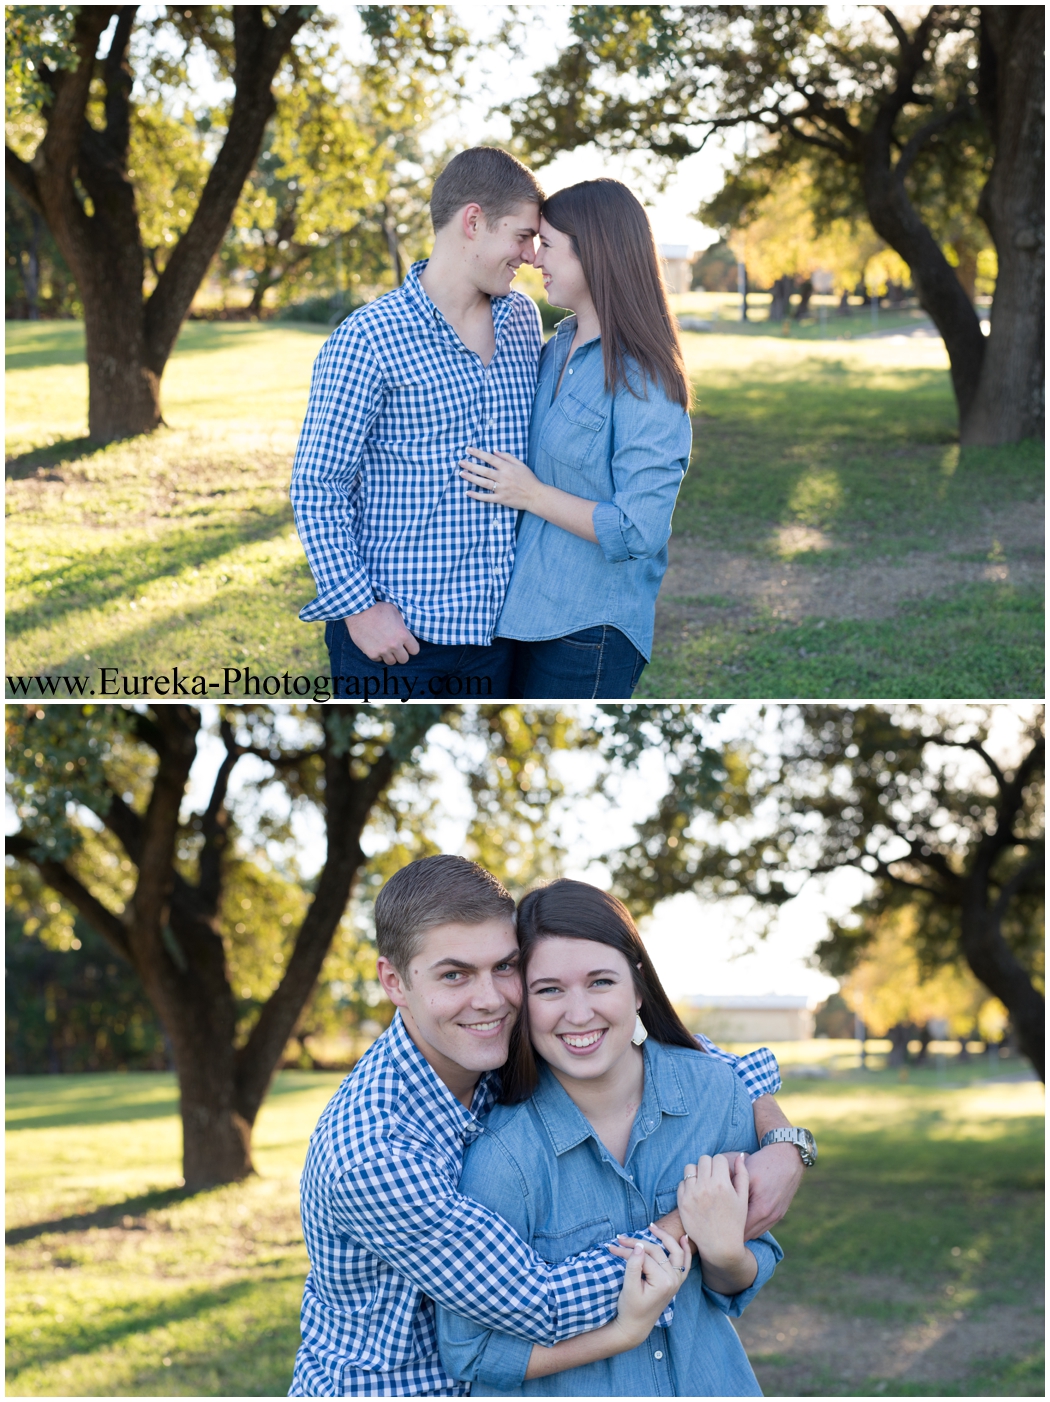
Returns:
<point x="609" y="443"/>
<point x="605" y="1097"/>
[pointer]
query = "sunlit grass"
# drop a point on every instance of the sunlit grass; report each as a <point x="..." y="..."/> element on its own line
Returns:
<point x="179" y="550"/>
<point x="120" y="1285"/>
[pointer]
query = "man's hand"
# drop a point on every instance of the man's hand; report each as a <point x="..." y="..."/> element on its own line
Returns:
<point x="775" y="1174"/>
<point x="381" y="634"/>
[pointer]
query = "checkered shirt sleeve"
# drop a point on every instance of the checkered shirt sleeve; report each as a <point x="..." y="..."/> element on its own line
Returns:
<point x="396" y="399"/>
<point x="758" y="1070"/>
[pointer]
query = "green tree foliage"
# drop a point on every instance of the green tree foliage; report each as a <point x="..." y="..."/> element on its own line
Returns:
<point x="205" y="900"/>
<point x="870" y="788"/>
<point x="923" y="123"/>
<point x="138" y="181"/>
<point x="339" y="197"/>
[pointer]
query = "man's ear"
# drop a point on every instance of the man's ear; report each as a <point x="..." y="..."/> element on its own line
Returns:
<point x="470" y="216"/>
<point x="393" y="981"/>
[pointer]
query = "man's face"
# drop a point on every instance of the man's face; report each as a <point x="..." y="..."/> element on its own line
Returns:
<point x="497" y="253"/>
<point x="460" y="995"/>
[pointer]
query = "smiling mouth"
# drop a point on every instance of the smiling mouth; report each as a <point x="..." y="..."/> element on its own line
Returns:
<point x="483" y="1026"/>
<point x="582" y="1041"/>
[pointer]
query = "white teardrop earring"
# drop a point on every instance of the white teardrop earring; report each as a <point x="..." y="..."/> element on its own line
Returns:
<point x="640" y="1032"/>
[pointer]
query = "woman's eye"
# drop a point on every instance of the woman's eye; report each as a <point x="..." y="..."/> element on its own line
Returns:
<point x="551" y="989"/>
<point x="602" y="983"/>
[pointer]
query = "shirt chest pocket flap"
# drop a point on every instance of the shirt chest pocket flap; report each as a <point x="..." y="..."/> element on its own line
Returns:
<point x="576" y="430"/>
<point x="666" y="1201"/>
<point x="557" y="1246"/>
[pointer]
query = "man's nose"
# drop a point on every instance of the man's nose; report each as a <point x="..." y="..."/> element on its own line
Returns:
<point x="486" y="993"/>
<point x="528" y="253"/>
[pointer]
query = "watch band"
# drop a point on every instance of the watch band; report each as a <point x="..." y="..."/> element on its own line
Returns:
<point x="801" y="1138"/>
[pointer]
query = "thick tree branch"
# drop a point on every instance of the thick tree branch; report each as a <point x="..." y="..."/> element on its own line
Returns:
<point x="259" y="49"/>
<point x="60" y="879"/>
<point x="215" y="823"/>
<point x="1016" y="883"/>
<point x="178" y="726"/>
<point x="61" y="143"/>
<point x="900" y="33"/>
<point x="936" y="124"/>
<point x="126" y="826"/>
<point x="118" y="80"/>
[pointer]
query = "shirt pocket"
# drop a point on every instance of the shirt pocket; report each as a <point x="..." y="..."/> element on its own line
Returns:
<point x="557" y="1246"/>
<point x="666" y="1201"/>
<point x="576" y="432"/>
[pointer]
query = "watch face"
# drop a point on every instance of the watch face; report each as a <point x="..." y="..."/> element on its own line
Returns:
<point x="808" y="1144"/>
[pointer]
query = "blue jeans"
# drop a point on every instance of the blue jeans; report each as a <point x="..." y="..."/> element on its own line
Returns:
<point x="596" y="662"/>
<point x="437" y="672"/>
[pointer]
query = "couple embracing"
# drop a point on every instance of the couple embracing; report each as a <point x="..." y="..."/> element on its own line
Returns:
<point x="485" y="515"/>
<point x="536" y="1181"/>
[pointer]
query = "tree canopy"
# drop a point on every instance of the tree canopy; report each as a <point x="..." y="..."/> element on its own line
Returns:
<point x="138" y="178"/>
<point x="878" y="790"/>
<point x="917" y="120"/>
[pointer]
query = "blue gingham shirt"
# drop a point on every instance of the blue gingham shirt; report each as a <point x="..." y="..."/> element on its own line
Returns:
<point x="388" y="1234"/>
<point x="396" y="399"/>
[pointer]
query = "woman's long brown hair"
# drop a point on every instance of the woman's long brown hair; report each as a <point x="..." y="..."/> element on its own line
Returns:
<point x="573" y="910"/>
<point x="612" y="238"/>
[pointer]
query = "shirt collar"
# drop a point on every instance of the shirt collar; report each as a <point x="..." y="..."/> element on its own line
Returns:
<point x="421" y="1078"/>
<point x="568" y="1126"/>
<point x="417" y="298"/>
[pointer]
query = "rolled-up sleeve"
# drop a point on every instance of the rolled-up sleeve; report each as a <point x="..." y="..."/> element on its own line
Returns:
<point x="652" y="438"/>
<point x="767" y="1252"/>
<point x="346" y="394"/>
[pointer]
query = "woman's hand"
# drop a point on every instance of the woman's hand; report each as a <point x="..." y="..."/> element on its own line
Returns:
<point x="653" y="1277"/>
<point x="507" y="480"/>
<point x="712" y="1199"/>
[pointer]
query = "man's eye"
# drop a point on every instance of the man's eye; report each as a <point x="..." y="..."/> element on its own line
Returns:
<point x="505" y="968"/>
<point x="451" y="975"/>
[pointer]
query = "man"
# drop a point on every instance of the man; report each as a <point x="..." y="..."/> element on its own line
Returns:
<point x="410" y="571"/>
<point x="386" y="1229"/>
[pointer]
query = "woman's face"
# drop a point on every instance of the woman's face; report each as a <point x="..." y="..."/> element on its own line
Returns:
<point x="562" y="270"/>
<point x="582" y="1005"/>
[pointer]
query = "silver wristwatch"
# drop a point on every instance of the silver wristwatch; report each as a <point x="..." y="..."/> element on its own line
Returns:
<point x="801" y="1138"/>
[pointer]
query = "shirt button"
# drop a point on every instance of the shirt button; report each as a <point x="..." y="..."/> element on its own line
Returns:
<point x="570" y="372"/>
<point x="658" y="1354"/>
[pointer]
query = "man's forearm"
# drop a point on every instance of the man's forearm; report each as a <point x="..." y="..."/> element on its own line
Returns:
<point x="768" y="1115"/>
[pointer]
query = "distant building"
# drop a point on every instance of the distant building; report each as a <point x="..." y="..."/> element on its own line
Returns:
<point x="677" y="269"/>
<point x="770" y="1017"/>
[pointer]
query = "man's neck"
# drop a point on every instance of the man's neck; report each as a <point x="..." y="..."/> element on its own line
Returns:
<point x="447" y="283"/>
<point x="460" y="1080"/>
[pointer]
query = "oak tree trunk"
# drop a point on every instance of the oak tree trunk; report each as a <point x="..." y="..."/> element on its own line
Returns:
<point x="1009" y="403"/>
<point x="78" y="181"/>
<point x="994" y="964"/>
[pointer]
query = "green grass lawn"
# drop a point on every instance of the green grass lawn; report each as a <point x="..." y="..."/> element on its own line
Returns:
<point x="825" y="458"/>
<point x="918" y="1231"/>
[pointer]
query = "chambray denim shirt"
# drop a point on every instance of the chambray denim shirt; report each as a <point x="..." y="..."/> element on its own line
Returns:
<point x="628" y="454"/>
<point x="541" y="1166"/>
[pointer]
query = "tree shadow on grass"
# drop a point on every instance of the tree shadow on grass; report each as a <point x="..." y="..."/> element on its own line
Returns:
<point x="110" y="1215"/>
<point x="139" y="1319"/>
<point x="92" y="580"/>
<point x="37" y="461"/>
